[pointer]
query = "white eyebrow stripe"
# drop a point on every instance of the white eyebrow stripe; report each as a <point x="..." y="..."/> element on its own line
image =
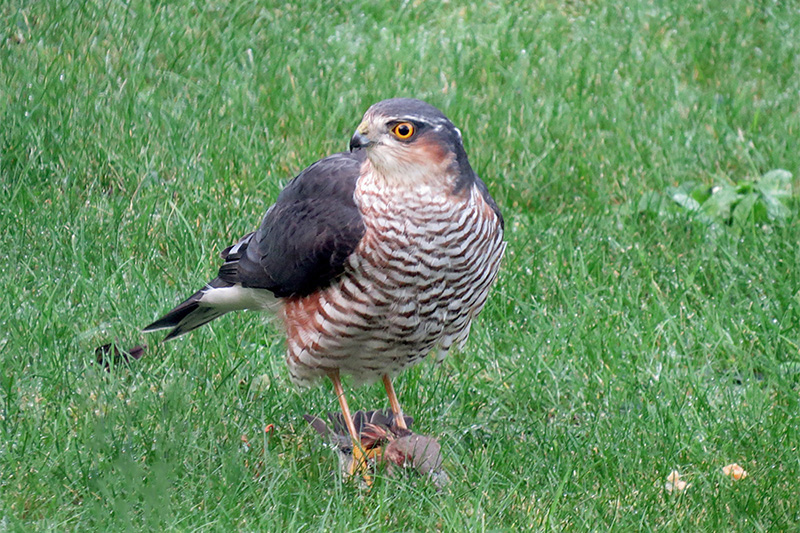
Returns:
<point x="433" y="121"/>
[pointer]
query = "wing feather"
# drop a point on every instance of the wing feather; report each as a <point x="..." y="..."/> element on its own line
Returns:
<point x="306" y="238"/>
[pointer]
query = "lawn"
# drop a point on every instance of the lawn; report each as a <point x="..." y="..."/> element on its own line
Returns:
<point x="640" y="324"/>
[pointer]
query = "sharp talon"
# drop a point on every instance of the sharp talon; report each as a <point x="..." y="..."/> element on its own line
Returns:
<point x="361" y="464"/>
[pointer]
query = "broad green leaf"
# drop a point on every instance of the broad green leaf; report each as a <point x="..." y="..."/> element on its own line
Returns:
<point x="743" y="212"/>
<point x="720" y="204"/>
<point x="779" y="177"/>
<point x="682" y="196"/>
<point x="775" y="208"/>
<point x="760" y="213"/>
<point x="651" y="202"/>
<point x="777" y="183"/>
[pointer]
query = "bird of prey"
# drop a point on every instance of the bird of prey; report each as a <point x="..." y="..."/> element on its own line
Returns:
<point x="372" y="258"/>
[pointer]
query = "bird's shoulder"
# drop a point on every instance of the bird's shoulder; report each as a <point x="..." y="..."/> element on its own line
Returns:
<point x="307" y="236"/>
<point x="332" y="178"/>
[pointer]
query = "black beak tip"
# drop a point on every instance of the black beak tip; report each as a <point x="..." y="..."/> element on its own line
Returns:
<point x="358" y="140"/>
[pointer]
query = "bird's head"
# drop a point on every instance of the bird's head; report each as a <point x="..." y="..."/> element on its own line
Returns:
<point x="410" y="142"/>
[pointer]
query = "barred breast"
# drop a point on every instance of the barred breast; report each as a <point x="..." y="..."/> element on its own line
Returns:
<point x="418" y="277"/>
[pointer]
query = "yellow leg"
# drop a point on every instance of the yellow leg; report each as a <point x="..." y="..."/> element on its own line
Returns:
<point x="398" y="412"/>
<point x="359" y="457"/>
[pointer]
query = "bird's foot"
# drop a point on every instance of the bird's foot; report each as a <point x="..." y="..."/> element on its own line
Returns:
<point x="362" y="462"/>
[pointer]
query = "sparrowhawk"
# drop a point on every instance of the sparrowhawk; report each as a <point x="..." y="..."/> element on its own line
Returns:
<point x="372" y="258"/>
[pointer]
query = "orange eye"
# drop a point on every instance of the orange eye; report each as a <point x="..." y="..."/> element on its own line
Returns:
<point x="403" y="130"/>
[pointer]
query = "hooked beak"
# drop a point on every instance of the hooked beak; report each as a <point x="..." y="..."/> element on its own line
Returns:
<point x="360" y="139"/>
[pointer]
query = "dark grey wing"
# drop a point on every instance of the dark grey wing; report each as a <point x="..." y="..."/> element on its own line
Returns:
<point x="306" y="237"/>
<point x="303" y="243"/>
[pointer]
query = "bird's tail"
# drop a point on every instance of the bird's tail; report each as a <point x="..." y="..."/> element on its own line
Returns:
<point x="212" y="301"/>
<point x="189" y="315"/>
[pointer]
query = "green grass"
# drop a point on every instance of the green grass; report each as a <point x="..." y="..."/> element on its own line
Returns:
<point x="619" y="344"/>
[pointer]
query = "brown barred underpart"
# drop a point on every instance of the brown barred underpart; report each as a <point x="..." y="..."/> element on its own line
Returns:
<point x="418" y="277"/>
